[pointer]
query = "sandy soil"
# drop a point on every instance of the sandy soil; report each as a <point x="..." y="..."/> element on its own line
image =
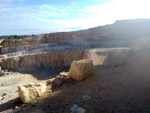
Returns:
<point x="9" y="84"/>
<point x="123" y="89"/>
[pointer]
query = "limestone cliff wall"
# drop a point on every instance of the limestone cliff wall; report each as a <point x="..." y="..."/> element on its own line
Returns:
<point x="63" y="38"/>
<point x="41" y="60"/>
<point x="104" y="57"/>
<point x="27" y="48"/>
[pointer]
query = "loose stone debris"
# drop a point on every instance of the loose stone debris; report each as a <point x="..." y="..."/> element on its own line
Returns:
<point x="86" y="97"/>
<point x="30" y="92"/>
<point x="76" y="109"/>
<point x="58" y="81"/>
<point x="79" y="70"/>
<point x="1" y="97"/>
<point x="64" y="74"/>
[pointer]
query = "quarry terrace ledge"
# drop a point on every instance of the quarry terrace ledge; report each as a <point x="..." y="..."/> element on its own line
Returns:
<point x="99" y="56"/>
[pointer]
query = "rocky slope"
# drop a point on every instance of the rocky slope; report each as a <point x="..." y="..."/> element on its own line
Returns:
<point x="121" y="33"/>
<point x="60" y="49"/>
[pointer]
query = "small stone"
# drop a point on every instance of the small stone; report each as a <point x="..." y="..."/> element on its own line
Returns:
<point x="48" y="82"/>
<point x="58" y="81"/>
<point x="16" y="107"/>
<point x="1" y="98"/>
<point x="4" y="94"/>
<point x="64" y="74"/>
<point x="16" y="91"/>
<point x="39" y="84"/>
<point x="6" y="70"/>
<point x="23" y="105"/>
<point x="76" y="109"/>
<point x="31" y="84"/>
<point x="50" y="91"/>
<point x="33" y="103"/>
<point x="86" y="97"/>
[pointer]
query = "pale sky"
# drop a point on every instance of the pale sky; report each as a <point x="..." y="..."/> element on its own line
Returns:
<point x="20" y="17"/>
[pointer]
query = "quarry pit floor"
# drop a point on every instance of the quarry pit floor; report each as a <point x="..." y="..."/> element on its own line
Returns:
<point x="122" y="89"/>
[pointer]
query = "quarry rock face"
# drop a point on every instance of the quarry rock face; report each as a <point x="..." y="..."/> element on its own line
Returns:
<point x="60" y="49"/>
<point x="109" y="57"/>
<point x="12" y="63"/>
<point x="30" y="92"/>
<point x="120" y="34"/>
<point x="81" y="69"/>
<point x="41" y="60"/>
<point x="31" y="62"/>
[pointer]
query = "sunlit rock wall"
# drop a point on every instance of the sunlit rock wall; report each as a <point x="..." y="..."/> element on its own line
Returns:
<point x="27" y="48"/>
<point x="62" y="38"/>
<point x="112" y="57"/>
<point x="42" y="60"/>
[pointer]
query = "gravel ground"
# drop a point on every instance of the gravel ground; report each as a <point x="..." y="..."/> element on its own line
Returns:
<point x="123" y="89"/>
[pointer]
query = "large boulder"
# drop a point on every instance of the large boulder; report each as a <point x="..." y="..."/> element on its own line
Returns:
<point x="81" y="69"/>
<point x="30" y="92"/>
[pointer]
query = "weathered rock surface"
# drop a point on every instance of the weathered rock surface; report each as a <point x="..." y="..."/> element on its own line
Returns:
<point x="81" y="69"/>
<point x="35" y="40"/>
<point x="86" y="97"/>
<point x="109" y="57"/>
<point x="57" y="81"/>
<point x="31" y="62"/>
<point x="28" y="48"/>
<point x="64" y="75"/>
<point x="30" y="92"/>
<point x="41" y="60"/>
<point x="1" y="97"/>
<point x="60" y="49"/>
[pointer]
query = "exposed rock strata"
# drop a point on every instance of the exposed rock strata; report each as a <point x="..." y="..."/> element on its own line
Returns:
<point x="30" y="62"/>
<point x="27" y="48"/>
<point x="60" y="49"/>
<point x="120" y="34"/>
<point x="42" y="60"/>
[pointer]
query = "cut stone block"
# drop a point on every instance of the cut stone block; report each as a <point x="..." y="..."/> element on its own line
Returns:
<point x="81" y="69"/>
